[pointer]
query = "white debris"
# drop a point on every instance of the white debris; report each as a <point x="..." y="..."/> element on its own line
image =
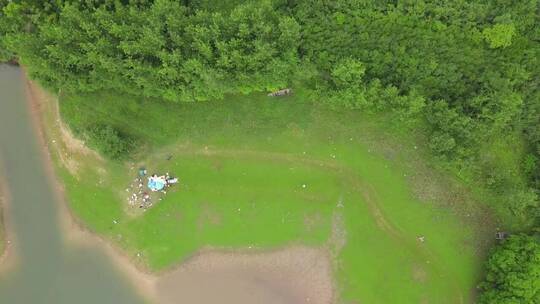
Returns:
<point x="304" y="185"/>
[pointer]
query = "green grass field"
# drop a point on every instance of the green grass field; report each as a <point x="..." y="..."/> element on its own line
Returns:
<point x="243" y="164"/>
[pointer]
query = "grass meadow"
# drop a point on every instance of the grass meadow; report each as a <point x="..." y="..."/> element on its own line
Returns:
<point x="258" y="173"/>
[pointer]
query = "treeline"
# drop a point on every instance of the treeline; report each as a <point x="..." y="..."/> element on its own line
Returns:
<point x="159" y="49"/>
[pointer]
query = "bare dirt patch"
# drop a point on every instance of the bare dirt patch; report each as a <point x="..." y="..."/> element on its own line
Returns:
<point x="419" y="274"/>
<point x="208" y="216"/>
<point x="290" y="276"/>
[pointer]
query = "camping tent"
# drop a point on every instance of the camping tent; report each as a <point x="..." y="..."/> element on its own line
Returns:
<point x="156" y="183"/>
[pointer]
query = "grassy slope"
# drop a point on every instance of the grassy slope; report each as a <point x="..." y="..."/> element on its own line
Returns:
<point x="242" y="167"/>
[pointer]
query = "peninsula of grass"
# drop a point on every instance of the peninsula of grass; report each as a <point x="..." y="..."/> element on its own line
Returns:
<point x="258" y="173"/>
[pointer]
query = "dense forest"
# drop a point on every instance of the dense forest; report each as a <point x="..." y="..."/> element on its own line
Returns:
<point x="466" y="73"/>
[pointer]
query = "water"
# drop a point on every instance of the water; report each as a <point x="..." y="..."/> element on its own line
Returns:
<point x="48" y="269"/>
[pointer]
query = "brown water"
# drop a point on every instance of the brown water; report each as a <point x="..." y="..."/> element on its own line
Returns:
<point x="48" y="269"/>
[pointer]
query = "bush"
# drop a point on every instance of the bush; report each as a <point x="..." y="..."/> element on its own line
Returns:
<point x="513" y="272"/>
<point x="110" y="142"/>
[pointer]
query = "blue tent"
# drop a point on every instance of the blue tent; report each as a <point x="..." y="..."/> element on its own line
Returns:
<point x="156" y="184"/>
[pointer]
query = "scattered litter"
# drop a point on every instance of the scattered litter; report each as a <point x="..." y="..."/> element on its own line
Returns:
<point x="421" y="238"/>
<point x="340" y="203"/>
<point x="138" y="189"/>
<point x="304" y="185"/>
<point x="282" y="92"/>
<point x="501" y="235"/>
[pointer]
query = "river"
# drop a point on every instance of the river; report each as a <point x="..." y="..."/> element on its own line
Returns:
<point x="47" y="267"/>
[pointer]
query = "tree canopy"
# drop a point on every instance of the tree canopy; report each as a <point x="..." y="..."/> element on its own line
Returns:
<point x="468" y="70"/>
<point x="513" y="272"/>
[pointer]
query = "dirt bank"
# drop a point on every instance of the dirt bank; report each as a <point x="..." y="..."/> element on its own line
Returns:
<point x="289" y="275"/>
<point x="293" y="275"/>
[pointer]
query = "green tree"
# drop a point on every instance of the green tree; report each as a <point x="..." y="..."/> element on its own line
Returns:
<point x="513" y="272"/>
<point x="499" y="35"/>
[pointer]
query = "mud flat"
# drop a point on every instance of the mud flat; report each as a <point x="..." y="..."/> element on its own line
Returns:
<point x="292" y="275"/>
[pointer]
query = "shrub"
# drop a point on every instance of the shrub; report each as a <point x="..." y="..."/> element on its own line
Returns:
<point x="513" y="272"/>
<point x="110" y="142"/>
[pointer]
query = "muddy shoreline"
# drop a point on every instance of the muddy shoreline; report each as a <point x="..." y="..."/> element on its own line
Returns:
<point x="72" y="230"/>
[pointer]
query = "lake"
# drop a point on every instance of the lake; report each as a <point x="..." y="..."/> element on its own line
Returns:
<point x="47" y="268"/>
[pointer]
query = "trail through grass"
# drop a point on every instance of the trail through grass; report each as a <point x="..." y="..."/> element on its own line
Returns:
<point x="258" y="173"/>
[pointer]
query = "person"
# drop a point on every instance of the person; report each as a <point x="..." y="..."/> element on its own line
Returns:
<point x="146" y="197"/>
